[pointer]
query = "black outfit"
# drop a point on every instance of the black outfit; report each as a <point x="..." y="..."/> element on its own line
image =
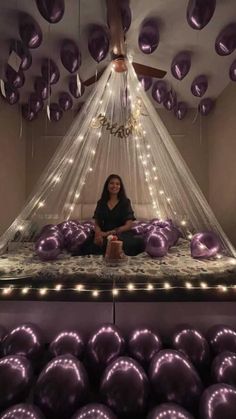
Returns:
<point x="110" y="219"/>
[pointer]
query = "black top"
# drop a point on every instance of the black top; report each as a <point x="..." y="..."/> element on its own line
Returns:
<point x="108" y="219"/>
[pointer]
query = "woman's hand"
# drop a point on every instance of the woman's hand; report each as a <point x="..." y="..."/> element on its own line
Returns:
<point x="98" y="239"/>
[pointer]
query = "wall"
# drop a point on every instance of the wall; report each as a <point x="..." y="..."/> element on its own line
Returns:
<point x="43" y="138"/>
<point x="221" y="134"/>
<point x="12" y="164"/>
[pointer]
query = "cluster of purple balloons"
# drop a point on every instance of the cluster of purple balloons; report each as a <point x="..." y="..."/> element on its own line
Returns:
<point x="127" y="375"/>
<point x="159" y="235"/>
<point x="205" y="245"/>
<point x="69" y="235"/>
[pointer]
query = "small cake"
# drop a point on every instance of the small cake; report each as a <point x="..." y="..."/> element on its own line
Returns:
<point x="114" y="250"/>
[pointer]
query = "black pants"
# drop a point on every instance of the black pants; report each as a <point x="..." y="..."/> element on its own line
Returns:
<point x="132" y="245"/>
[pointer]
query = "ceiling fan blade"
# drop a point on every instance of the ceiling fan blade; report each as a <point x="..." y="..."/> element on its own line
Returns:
<point x="144" y="70"/>
<point x="94" y="78"/>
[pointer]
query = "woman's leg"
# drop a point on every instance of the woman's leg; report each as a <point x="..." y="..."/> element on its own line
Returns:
<point x="89" y="248"/>
<point x="132" y="243"/>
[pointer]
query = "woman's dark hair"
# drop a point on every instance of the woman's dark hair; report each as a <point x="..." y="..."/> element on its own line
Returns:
<point x="121" y="194"/>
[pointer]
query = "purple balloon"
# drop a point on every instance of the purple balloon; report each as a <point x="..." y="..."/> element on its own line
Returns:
<point x="27" y="113"/>
<point x="170" y="100"/>
<point x="159" y="91"/>
<point x="26" y="340"/>
<point x="200" y="12"/>
<point x="55" y="112"/>
<point x="15" y="379"/>
<point x="180" y="65"/>
<point x="35" y="103"/>
<point x="61" y="387"/>
<point x="218" y="402"/>
<point x="52" y="10"/>
<point x="157" y="245"/>
<point x="180" y="110"/>
<point x="222" y="338"/>
<point x="169" y="411"/>
<point x="199" y="86"/>
<point x="74" y="89"/>
<point x="50" y="71"/>
<point x="67" y="342"/>
<point x="12" y="95"/>
<point x="192" y="343"/>
<point x="19" y="48"/>
<point x="205" y="245"/>
<point x="138" y="229"/>
<point x="174" y="379"/>
<point x="143" y="344"/>
<point x="98" y="42"/>
<point x="69" y="234"/>
<point x="232" y="71"/>
<point x="104" y="346"/>
<point x="42" y="88"/>
<point x="205" y="106"/>
<point x="70" y="55"/>
<point x="65" y="101"/>
<point x="77" y="239"/>
<point x="145" y="81"/>
<point x="149" y="36"/>
<point x="22" y="411"/>
<point x="94" y="411"/>
<point x="65" y="225"/>
<point x="48" y="248"/>
<point x="126" y="16"/>
<point x="30" y="31"/>
<point x="124" y="387"/>
<point x="15" y="79"/>
<point x="226" y="40"/>
<point x="223" y="369"/>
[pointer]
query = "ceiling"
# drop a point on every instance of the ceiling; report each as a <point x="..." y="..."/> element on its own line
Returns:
<point x="175" y="35"/>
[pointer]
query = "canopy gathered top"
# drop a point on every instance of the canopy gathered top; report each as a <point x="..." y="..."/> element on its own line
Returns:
<point x="118" y="130"/>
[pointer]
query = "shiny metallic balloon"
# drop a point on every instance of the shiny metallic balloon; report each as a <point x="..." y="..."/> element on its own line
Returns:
<point x="149" y="36"/>
<point x="180" y="110"/>
<point x="156" y="245"/>
<point x="145" y="81"/>
<point x="42" y="88"/>
<point x="169" y="411"/>
<point x="221" y="338"/>
<point x="124" y="387"/>
<point x="30" y="31"/>
<point x="15" y="380"/>
<point x="159" y="91"/>
<point x="27" y="113"/>
<point x="67" y="342"/>
<point x="74" y="88"/>
<point x="205" y="245"/>
<point x="174" y="379"/>
<point x="193" y="344"/>
<point x="104" y="346"/>
<point x="12" y="94"/>
<point x="200" y="12"/>
<point x="22" y="411"/>
<point x="26" y="340"/>
<point x="223" y="368"/>
<point x="48" y="248"/>
<point x="52" y="11"/>
<point x="70" y="55"/>
<point x="143" y="344"/>
<point x="199" y="86"/>
<point x="61" y="388"/>
<point x="232" y="71"/>
<point x="56" y="112"/>
<point x="226" y="40"/>
<point x="20" y="49"/>
<point x="98" y="42"/>
<point x="180" y="65"/>
<point x="77" y="239"/>
<point x="14" y="78"/>
<point x="218" y="402"/>
<point x="65" y="101"/>
<point x="205" y="106"/>
<point x="94" y="411"/>
<point x="50" y="71"/>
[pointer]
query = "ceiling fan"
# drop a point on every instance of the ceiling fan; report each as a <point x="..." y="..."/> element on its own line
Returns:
<point x="118" y="47"/>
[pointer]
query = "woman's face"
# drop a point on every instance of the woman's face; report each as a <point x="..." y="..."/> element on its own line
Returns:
<point x="114" y="186"/>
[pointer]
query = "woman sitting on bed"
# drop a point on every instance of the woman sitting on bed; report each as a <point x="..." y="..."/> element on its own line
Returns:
<point x="113" y="215"/>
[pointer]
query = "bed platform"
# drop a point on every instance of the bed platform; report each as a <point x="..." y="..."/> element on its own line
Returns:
<point x="176" y="277"/>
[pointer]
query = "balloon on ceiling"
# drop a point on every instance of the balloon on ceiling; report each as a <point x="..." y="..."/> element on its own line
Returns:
<point x="226" y="40"/>
<point x="50" y="71"/>
<point x="12" y="94"/>
<point x="126" y="15"/>
<point x="19" y="48"/>
<point x="232" y="71"/>
<point x="65" y="101"/>
<point x="42" y="88"/>
<point x="200" y="12"/>
<point x="149" y="36"/>
<point x="180" y="110"/>
<point x="199" y="86"/>
<point x="159" y="91"/>
<point x="52" y="10"/>
<point x="27" y="113"/>
<point x="170" y="100"/>
<point x="98" y="42"/>
<point x="15" y="79"/>
<point x="55" y="114"/>
<point x="180" y="65"/>
<point x="30" y="31"/>
<point x="35" y="102"/>
<point x="205" y="106"/>
<point x="70" y="55"/>
<point x="145" y="81"/>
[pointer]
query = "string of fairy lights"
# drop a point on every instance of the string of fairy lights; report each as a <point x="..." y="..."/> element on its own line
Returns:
<point x="116" y="291"/>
